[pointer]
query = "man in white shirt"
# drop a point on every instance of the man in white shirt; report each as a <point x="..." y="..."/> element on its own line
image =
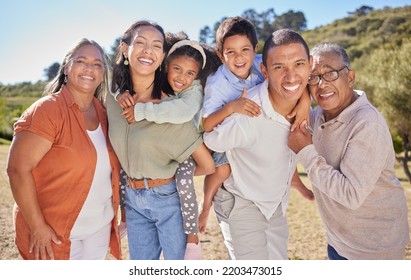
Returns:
<point x="252" y="204"/>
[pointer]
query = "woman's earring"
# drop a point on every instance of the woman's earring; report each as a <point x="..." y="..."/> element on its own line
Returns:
<point x="125" y="61"/>
<point x="65" y="79"/>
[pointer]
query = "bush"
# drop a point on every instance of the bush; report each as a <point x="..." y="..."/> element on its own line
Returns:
<point x="397" y="142"/>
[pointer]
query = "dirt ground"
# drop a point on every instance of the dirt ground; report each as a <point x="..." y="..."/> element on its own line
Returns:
<point x="306" y="231"/>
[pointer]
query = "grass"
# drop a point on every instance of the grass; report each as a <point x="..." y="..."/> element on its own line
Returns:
<point x="306" y="230"/>
<point x="4" y="141"/>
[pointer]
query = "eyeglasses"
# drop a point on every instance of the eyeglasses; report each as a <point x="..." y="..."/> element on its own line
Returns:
<point x="97" y="66"/>
<point x="328" y="77"/>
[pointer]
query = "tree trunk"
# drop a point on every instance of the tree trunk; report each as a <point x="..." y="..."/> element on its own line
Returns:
<point x="406" y="158"/>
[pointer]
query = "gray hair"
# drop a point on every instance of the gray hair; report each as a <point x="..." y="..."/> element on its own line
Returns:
<point x="331" y="48"/>
<point x="58" y="81"/>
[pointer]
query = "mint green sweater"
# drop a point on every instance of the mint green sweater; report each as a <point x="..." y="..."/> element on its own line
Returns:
<point x="177" y="110"/>
<point x="149" y="150"/>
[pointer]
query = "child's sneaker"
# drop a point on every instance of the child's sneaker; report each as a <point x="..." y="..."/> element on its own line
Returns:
<point x="122" y="229"/>
<point x="193" y="252"/>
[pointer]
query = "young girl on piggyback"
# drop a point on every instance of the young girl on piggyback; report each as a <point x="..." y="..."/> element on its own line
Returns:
<point x="187" y="66"/>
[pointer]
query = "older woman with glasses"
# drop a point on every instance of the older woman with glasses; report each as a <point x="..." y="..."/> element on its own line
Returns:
<point x="350" y="162"/>
<point x="63" y="172"/>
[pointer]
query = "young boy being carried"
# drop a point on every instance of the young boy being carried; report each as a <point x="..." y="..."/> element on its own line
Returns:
<point x="225" y="94"/>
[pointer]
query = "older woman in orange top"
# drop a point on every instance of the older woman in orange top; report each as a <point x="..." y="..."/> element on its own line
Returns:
<point x="63" y="171"/>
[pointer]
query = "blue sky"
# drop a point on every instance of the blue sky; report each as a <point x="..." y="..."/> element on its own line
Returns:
<point x="36" y="33"/>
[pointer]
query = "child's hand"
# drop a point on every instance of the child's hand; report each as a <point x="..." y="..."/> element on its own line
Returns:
<point x="300" y="121"/>
<point x="302" y="117"/>
<point x="245" y="106"/>
<point x="125" y="100"/>
<point x="301" y="111"/>
<point x="128" y="114"/>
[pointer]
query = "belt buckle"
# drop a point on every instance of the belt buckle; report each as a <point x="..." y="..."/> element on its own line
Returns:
<point x="134" y="183"/>
<point x="146" y="184"/>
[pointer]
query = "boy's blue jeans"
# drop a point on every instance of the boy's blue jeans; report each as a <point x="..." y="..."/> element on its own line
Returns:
<point x="154" y="223"/>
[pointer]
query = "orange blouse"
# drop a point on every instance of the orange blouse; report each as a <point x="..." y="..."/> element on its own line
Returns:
<point x="64" y="175"/>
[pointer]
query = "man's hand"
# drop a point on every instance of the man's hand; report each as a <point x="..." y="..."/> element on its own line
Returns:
<point x="299" y="138"/>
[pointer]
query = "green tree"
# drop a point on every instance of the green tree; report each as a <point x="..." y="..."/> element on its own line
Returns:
<point x="363" y="10"/>
<point x="206" y="35"/>
<point x="51" y="71"/>
<point x="292" y="20"/>
<point x="252" y="16"/>
<point x="265" y="27"/>
<point x="113" y="51"/>
<point x="263" y="23"/>
<point x="387" y="75"/>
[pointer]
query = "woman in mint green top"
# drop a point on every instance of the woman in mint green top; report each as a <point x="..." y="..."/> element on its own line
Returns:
<point x="187" y="66"/>
<point x="148" y="150"/>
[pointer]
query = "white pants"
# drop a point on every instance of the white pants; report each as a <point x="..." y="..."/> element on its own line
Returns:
<point x="93" y="247"/>
<point x="248" y="235"/>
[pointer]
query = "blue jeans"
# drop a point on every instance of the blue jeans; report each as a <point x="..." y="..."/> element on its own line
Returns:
<point x="333" y="254"/>
<point x="219" y="158"/>
<point x="155" y="223"/>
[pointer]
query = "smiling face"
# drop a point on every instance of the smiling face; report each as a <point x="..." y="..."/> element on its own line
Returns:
<point x="238" y="54"/>
<point x="287" y="71"/>
<point x="85" y="70"/>
<point x="181" y="72"/>
<point x="146" y="50"/>
<point x="333" y="97"/>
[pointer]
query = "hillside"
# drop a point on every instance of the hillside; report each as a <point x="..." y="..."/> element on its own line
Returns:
<point x="360" y="35"/>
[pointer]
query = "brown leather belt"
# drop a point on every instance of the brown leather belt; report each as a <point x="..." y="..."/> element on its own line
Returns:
<point x="151" y="183"/>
